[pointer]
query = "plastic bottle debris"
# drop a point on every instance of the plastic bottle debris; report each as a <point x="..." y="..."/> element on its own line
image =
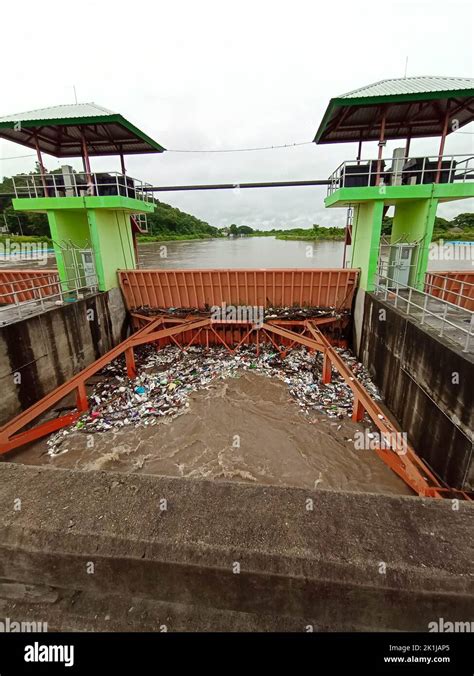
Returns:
<point x="168" y="376"/>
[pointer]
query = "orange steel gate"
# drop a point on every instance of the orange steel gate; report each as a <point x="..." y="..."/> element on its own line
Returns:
<point x="324" y="288"/>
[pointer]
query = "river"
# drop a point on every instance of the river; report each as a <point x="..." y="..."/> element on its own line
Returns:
<point x="262" y="252"/>
<point x="244" y="252"/>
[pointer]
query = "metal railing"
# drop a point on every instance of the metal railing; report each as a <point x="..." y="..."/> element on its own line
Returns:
<point x="42" y="297"/>
<point x="400" y="171"/>
<point x="141" y="221"/>
<point x="430" y="310"/>
<point x="72" y="184"/>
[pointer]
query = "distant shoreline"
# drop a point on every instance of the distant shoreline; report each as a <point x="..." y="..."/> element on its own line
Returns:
<point x="447" y="237"/>
<point x="149" y="239"/>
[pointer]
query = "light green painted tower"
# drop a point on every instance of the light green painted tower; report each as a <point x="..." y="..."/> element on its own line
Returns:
<point x="93" y="217"/>
<point x="397" y="109"/>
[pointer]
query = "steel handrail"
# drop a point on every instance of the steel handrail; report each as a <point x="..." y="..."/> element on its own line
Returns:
<point x="384" y="288"/>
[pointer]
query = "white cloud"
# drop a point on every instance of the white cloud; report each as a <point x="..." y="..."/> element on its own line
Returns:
<point x="217" y="75"/>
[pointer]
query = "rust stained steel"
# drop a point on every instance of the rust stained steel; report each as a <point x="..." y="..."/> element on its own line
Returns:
<point x="170" y="319"/>
<point x="204" y="288"/>
<point x="148" y="337"/>
<point x="403" y="461"/>
<point x="11" y="435"/>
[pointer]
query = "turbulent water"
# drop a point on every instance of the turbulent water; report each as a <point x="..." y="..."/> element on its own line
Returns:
<point x="230" y="421"/>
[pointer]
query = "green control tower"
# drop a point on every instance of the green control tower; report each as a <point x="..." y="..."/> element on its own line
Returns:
<point x="414" y="185"/>
<point x="93" y="217"/>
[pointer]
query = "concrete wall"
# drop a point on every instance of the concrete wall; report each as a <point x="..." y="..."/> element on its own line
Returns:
<point x="97" y="551"/>
<point x="416" y="373"/>
<point x="42" y="352"/>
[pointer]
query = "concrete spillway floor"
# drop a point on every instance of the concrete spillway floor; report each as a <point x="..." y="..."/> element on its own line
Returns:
<point x="245" y="429"/>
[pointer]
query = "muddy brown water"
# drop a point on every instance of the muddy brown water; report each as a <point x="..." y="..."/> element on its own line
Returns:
<point x="239" y="429"/>
<point x="241" y="252"/>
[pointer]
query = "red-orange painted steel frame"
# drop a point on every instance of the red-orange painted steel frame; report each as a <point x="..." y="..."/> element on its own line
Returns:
<point x="402" y="459"/>
<point x="11" y="434"/>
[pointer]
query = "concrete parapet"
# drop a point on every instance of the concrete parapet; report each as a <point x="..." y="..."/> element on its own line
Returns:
<point x="426" y="382"/>
<point x="99" y="550"/>
<point x="43" y="351"/>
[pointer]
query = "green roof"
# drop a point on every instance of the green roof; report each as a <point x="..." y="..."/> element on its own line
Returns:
<point x="59" y="131"/>
<point x="415" y="106"/>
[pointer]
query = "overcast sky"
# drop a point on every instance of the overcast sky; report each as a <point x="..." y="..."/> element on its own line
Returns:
<point x="213" y="75"/>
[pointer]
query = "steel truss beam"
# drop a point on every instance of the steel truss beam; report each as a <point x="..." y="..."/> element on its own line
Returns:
<point x="403" y="461"/>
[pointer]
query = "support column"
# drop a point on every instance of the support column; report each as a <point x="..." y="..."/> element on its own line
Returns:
<point x="122" y="164"/>
<point x="112" y="242"/>
<point x="366" y="231"/>
<point x="442" y="143"/>
<point x="414" y="221"/>
<point x="42" y="169"/>
<point x="327" y="369"/>
<point x="381" y="145"/>
<point x="130" y="363"/>
<point x="87" y="166"/>
<point x="407" y="147"/>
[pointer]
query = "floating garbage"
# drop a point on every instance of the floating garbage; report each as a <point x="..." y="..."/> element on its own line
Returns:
<point x="289" y="312"/>
<point x="168" y="376"/>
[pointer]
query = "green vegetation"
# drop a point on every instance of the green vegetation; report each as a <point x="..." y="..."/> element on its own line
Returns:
<point x="24" y="238"/>
<point x="166" y="223"/>
<point x="314" y="233"/>
<point x="461" y="228"/>
<point x="20" y="223"/>
<point x="168" y="237"/>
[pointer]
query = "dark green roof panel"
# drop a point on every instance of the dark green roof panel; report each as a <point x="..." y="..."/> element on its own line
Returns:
<point x="59" y="131"/>
<point x="414" y="106"/>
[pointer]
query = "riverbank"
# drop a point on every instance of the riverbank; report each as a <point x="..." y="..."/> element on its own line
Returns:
<point x="310" y="236"/>
<point x="307" y="237"/>
<point x="23" y="239"/>
<point x="453" y="236"/>
<point x="175" y="238"/>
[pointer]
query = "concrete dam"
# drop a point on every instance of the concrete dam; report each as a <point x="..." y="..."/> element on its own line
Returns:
<point x="278" y="449"/>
